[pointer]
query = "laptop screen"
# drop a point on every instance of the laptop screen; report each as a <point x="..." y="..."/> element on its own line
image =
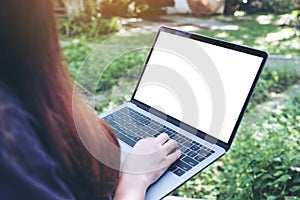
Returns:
<point x="201" y="83"/>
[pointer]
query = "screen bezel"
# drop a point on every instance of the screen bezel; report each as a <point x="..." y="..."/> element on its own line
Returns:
<point x="213" y="41"/>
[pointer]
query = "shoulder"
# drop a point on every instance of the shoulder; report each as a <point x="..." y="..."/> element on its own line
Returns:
<point x="17" y="125"/>
<point x="27" y="170"/>
<point x="13" y="117"/>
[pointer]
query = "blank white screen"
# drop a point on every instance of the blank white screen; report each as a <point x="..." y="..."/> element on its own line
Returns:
<point x="200" y="84"/>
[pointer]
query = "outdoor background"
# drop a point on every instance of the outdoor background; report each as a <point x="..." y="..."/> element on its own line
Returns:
<point x="264" y="161"/>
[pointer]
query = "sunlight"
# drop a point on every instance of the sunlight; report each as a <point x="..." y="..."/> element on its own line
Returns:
<point x="225" y="27"/>
<point x="239" y="13"/>
<point x="76" y="41"/>
<point x="264" y="19"/>
<point x="188" y="27"/>
<point x="282" y="34"/>
<point x="290" y="44"/>
<point x="222" y="35"/>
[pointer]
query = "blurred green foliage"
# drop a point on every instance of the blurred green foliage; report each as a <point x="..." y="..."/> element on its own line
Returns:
<point x="75" y="53"/>
<point x="263" y="162"/>
<point x="274" y="80"/>
<point x="119" y="68"/>
<point x="91" y="27"/>
<point x="269" y="6"/>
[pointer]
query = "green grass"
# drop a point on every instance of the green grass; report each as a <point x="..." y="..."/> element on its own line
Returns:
<point x="274" y="81"/>
<point x="252" y="31"/>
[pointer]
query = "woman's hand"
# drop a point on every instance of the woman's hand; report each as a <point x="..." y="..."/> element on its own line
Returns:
<point x="147" y="161"/>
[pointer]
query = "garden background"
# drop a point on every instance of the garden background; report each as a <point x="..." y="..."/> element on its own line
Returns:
<point x="264" y="161"/>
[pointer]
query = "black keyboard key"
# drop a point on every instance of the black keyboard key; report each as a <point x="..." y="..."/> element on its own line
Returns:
<point x="148" y="132"/>
<point x="126" y="139"/>
<point x="195" y="147"/>
<point x="190" y="161"/>
<point x="191" y="154"/>
<point x="211" y="151"/>
<point x="183" y="149"/>
<point x="208" y="154"/>
<point x="187" y="143"/>
<point x="204" y="153"/>
<point x="172" y="135"/>
<point x="179" y="172"/>
<point x="166" y="129"/>
<point x="172" y="168"/>
<point x="156" y="134"/>
<point x="144" y="122"/>
<point x="199" y="158"/>
<point x="182" y="165"/>
<point x="137" y="138"/>
<point x="196" y="143"/>
<point x="179" y="139"/>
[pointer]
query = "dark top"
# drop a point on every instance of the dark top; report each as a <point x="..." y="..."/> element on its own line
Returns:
<point x="27" y="171"/>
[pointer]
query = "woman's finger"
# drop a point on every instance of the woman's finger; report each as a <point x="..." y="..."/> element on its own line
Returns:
<point x="169" y="146"/>
<point x="162" y="138"/>
<point x="174" y="156"/>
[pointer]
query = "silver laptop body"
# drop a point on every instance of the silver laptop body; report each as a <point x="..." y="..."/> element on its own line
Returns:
<point x="194" y="88"/>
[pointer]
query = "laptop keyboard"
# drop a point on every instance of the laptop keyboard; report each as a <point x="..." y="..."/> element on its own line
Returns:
<point x="131" y="126"/>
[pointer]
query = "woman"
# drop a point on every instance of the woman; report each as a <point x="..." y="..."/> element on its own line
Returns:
<point x="42" y="155"/>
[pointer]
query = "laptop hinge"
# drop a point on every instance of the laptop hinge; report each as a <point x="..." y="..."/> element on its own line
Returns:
<point x="183" y="126"/>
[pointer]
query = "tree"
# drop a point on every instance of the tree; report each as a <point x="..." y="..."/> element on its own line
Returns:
<point x="79" y="7"/>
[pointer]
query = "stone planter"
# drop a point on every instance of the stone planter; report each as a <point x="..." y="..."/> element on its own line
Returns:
<point x="205" y="7"/>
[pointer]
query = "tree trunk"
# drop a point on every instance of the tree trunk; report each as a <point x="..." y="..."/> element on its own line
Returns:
<point x="74" y="7"/>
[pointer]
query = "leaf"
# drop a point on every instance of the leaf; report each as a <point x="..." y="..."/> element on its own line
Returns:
<point x="278" y="173"/>
<point x="266" y="176"/>
<point x="257" y="186"/>
<point x="294" y="188"/>
<point x="271" y="197"/>
<point x="284" y="178"/>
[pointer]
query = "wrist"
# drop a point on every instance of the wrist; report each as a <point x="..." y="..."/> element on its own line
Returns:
<point x="131" y="186"/>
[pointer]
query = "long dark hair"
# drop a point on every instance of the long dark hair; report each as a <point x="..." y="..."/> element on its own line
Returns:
<point x="32" y="64"/>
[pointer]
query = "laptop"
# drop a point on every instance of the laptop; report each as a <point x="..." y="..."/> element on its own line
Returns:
<point x="195" y="89"/>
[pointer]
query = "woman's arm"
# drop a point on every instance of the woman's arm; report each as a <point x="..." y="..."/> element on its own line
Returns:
<point x="147" y="161"/>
